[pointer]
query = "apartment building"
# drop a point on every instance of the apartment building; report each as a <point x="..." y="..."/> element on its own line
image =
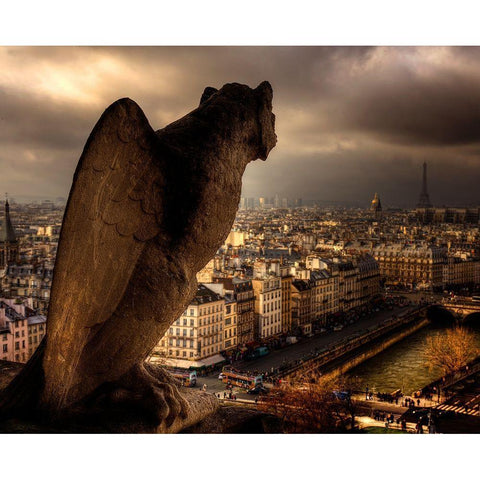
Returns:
<point x="17" y="338"/>
<point x="198" y="333"/>
<point x="268" y="306"/>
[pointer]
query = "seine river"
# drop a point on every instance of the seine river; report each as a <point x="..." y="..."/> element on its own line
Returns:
<point x="403" y="364"/>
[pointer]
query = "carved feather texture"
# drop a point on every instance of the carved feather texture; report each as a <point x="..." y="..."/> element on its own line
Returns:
<point x="114" y="207"/>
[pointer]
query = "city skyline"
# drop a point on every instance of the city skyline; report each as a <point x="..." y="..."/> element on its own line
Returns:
<point x="351" y="121"/>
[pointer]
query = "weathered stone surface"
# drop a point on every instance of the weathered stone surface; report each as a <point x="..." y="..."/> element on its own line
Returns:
<point x="146" y="212"/>
<point x="8" y="370"/>
<point x="238" y="419"/>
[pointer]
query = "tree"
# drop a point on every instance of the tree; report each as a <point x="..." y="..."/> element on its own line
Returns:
<point x="451" y="350"/>
<point x="322" y="405"/>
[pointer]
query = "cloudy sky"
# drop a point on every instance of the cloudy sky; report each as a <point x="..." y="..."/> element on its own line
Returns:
<point x="351" y="121"/>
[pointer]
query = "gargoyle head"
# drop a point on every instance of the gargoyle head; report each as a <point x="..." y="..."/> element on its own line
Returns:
<point x="241" y="101"/>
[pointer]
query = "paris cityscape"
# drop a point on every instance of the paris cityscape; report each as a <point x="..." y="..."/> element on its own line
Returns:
<point x="311" y="260"/>
<point x="352" y="295"/>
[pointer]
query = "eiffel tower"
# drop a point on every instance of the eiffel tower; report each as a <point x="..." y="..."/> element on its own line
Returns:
<point x="424" y="200"/>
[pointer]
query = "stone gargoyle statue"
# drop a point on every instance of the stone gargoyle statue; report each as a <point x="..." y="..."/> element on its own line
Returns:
<point x="147" y="210"/>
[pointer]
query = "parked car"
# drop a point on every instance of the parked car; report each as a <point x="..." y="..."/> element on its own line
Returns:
<point x="257" y="390"/>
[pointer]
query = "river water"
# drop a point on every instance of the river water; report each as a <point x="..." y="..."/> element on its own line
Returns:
<point x="402" y="366"/>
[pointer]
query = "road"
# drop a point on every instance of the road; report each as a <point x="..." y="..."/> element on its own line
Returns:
<point x="318" y="342"/>
<point x="295" y="352"/>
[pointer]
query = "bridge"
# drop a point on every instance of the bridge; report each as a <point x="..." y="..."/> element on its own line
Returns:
<point x="461" y="307"/>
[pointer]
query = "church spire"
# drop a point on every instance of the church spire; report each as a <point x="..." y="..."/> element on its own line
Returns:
<point x="7" y="233"/>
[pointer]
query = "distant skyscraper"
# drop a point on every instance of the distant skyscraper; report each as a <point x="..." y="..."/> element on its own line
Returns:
<point x="424" y="200"/>
<point x="276" y="201"/>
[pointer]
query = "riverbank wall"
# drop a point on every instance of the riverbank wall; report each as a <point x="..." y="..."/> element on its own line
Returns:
<point x="354" y="352"/>
<point x="373" y="349"/>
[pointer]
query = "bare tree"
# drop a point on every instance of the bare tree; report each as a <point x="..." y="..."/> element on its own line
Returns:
<point x="451" y="350"/>
<point x="323" y="405"/>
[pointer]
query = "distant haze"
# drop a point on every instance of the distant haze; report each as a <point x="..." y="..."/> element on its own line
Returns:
<point x="351" y="121"/>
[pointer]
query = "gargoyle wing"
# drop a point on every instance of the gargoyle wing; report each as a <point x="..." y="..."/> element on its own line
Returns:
<point x="114" y="206"/>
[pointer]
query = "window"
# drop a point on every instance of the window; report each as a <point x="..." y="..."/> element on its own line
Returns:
<point x="191" y="311"/>
<point x="17" y="345"/>
<point x="5" y="348"/>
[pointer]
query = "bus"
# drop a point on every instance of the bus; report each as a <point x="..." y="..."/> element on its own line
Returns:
<point x="239" y="379"/>
<point x="187" y="378"/>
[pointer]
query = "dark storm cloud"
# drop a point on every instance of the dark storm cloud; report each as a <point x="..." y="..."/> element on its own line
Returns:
<point x="30" y="120"/>
<point x="350" y="120"/>
<point x="407" y="108"/>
